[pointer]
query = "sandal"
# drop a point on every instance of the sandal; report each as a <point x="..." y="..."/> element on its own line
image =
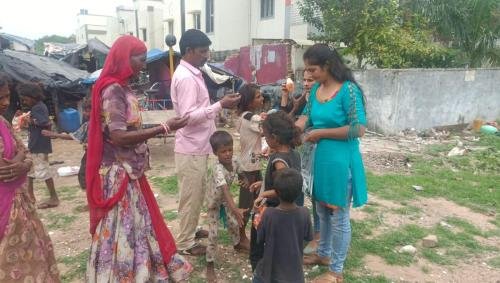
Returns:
<point x="196" y="250"/>
<point x="311" y="247"/>
<point x="200" y="234"/>
<point x="329" y="277"/>
<point x="315" y="259"/>
<point x="48" y="204"/>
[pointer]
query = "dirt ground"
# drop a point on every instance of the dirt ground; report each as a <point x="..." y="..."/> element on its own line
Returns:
<point x="381" y="155"/>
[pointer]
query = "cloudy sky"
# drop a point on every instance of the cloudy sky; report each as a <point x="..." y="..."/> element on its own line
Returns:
<point x="36" y="18"/>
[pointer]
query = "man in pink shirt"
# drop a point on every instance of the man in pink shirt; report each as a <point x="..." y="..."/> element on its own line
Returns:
<point x="190" y="97"/>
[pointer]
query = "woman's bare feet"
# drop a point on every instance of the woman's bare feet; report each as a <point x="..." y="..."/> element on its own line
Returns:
<point x="50" y="203"/>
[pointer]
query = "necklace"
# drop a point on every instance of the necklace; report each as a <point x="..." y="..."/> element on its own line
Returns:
<point x="329" y="98"/>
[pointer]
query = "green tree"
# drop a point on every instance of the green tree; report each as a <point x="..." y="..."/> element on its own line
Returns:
<point x="470" y="25"/>
<point x="379" y="32"/>
<point x="39" y="48"/>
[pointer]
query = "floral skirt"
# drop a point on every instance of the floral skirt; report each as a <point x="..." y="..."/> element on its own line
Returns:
<point x="26" y="252"/>
<point x="124" y="247"/>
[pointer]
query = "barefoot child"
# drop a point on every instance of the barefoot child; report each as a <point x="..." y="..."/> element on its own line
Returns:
<point x="31" y="95"/>
<point x="282" y="136"/>
<point x="79" y="135"/>
<point x="251" y="147"/>
<point x="221" y="177"/>
<point x="282" y="231"/>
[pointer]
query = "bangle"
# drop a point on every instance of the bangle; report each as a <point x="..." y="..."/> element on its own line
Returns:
<point x="165" y="127"/>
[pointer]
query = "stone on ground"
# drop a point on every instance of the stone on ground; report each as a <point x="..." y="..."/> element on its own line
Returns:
<point x="430" y="241"/>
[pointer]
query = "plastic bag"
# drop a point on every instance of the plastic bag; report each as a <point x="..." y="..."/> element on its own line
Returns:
<point x="306" y="152"/>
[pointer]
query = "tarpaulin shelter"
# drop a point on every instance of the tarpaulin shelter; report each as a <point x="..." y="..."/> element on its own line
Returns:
<point x="92" y="55"/>
<point x="14" y="42"/>
<point x="216" y="77"/>
<point x="61" y="81"/>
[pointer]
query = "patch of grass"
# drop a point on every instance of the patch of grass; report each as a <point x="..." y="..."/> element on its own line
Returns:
<point x="80" y="208"/>
<point x="438" y="149"/>
<point x="76" y="265"/>
<point x="170" y="215"/>
<point x="235" y="188"/>
<point x="494" y="262"/>
<point x="67" y="193"/>
<point x="59" y="220"/>
<point x="366" y="279"/>
<point x="348" y="277"/>
<point x="369" y="209"/>
<point x="465" y="226"/>
<point x="458" y="241"/>
<point x="167" y="185"/>
<point x="470" y="180"/>
<point x="224" y="238"/>
<point x="454" y="246"/>
<point x="387" y="245"/>
<point x="425" y="269"/>
<point x="496" y="221"/>
<point x="433" y="256"/>
<point x="407" y="210"/>
<point x="315" y="271"/>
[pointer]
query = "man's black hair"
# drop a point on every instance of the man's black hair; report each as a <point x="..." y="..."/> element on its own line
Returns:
<point x="288" y="184"/>
<point x="193" y="38"/>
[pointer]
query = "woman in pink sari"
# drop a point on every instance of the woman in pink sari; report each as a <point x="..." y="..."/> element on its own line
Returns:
<point x="26" y="252"/>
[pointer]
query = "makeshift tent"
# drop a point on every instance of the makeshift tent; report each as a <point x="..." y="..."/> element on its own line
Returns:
<point x="88" y="56"/>
<point x="61" y="81"/>
<point x="14" y="42"/>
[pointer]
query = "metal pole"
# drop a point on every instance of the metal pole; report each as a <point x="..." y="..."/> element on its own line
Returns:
<point x="136" y="24"/>
<point x="183" y="17"/>
<point x="170" y="40"/>
<point x="171" y="58"/>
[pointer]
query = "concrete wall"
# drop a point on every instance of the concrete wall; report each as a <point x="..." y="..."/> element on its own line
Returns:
<point x="425" y="98"/>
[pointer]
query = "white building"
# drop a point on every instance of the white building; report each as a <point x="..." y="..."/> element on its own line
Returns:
<point x="230" y="24"/>
<point x="91" y="26"/>
<point x="144" y="20"/>
<point x="254" y="22"/>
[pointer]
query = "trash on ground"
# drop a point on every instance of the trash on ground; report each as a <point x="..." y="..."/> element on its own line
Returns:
<point x="457" y="151"/>
<point x="488" y="129"/>
<point x="408" y="249"/>
<point x="68" y="171"/>
<point x="417" y="188"/>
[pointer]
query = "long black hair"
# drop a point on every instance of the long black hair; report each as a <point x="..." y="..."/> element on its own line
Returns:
<point x="3" y="80"/>
<point x="322" y="55"/>
<point x="247" y="93"/>
<point x="283" y="128"/>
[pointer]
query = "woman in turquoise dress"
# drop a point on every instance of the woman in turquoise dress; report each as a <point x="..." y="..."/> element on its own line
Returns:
<point x="336" y="114"/>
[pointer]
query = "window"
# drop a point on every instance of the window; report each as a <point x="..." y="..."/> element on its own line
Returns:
<point x="210" y="16"/>
<point x="266" y="9"/>
<point x="196" y="21"/>
<point x="144" y="34"/>
<point x="171" y="27"/>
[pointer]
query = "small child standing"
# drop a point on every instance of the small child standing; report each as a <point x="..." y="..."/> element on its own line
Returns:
<point x="31" y="95"/>
<point x="250" y="132"/>
<point x="283" y="230"/>
<point x="221" y="177"/>
<point x="79" y="135"/>
<point x="282" y="136"/>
